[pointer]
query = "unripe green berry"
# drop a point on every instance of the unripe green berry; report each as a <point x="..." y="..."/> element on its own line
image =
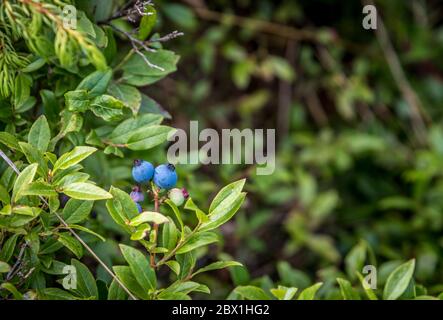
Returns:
<point x="176" y="196"/>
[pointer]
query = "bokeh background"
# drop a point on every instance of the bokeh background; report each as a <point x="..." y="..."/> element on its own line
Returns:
<point x="359" y="136"/>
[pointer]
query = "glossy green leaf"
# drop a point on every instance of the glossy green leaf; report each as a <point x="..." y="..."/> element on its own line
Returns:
<point x="140" y="267"/>
<point x="199" y="239"/>
<point x="85" y="191"/>
<point x="309" y="292"/>
<point x="148" y="216"/>
<point x="76" y="211"/>
<point x="150" y="137"/>
<point x="218" y="265"/>
<point x="71" y="243"/>
<point x="399" y="280"/>
<point x="96" y="83"/>
<point x="86" y="285"/>
<point x="73" y="157"/>
<point x="40" y="134"/>
<point x="23" y="180"/>
<point x="347" y="291"/>
<point x="251" y="293"/>
<point x="284" y="293"/>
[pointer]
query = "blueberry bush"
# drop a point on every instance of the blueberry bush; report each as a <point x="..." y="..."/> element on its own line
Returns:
<point x="90" y="208"/>
<point x="73" y="94"/>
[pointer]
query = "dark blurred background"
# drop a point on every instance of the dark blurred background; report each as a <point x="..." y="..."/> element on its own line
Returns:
<point x="359" y="133"/>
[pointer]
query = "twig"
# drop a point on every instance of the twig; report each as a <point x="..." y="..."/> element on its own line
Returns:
<point x="63" y="222"/>
<point x="13" y="270"/>
<point x="156" y="204"/>
<point x="134" y="42"/>
<point x="174" y="34"/>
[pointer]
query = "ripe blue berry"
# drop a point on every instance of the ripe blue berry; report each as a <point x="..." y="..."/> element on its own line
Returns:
<point x="137" y="194"/>
<point x="139" y="207"/>
<point x="142" y="171"/>
<point x="165" y="176"/>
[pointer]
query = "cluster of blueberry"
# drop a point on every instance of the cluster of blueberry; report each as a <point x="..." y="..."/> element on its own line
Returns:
<point x="164" y="177"/>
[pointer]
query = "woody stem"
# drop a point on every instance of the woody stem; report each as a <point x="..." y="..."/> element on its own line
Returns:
<point x="156" y="203"/>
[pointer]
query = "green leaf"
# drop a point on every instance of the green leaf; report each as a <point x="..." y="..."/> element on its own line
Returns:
<point x="76" y="211"/>
<point x="73" y="157"/>
<point x="4" y="267"/>
<point x="169" y="235"/>
<point x="284" y="293"/>
<point x="85" y="191"/>
<point x="224" y="212"/>
<point x="225" y="204"/>
<point x="26" y="210"/>
<point x="116" y="292"/>
<point x="96" y="83"/>
<point x="121" y="207"/>
<point x="40" y="134"/>
<point x="84" y="229"/>
<point x="140" y="267"/>
<point x="9" y="140"/>
<point x="131" y="126"/>
<point x="34" y="65"/>
<point x="107" y="107"/>
<point x="176" y="213"/>
<point x="137" y="72"/>
<point x="173" y="296"/>
<point x="12" y="289"/>
<point x="86" y="285"/>
<point x="309" y="292"/>
<point x="4" y="195"/>
<point x="71" y="178"/>
<point x="197" y="240"/>
<point x="126" y="276"/>
<point x="8" y="248"/>
<point x="174" y="266"/>
<point x="129" y="95"/>
<point x="22" y="90"/>
<point x="55" y="294"/>
<point x="355" y="259"/>
<point x="184" y="287"/>
<point x="187" y="262"/>
<point x="218" y="265"/>
<point x="77" y="100"/>
<point x="33" y="155"/>
<point x="231" y="190"/>
<point x="50" y="105"/>
<point x="369" y="292"/>
<point x="6" y="210"/>
<point x="251" y="293"/>
<point x="39" y="188"/>
<point x="150" y="137"/>
<point x="147" y="22"/>
<point x="399" y="280"/>
<point x="148" y="216"/>
<point x="140" y="232"/>
<point x="71" y="243"/>
<point x="22" y="181"/>
<point x="347" y="292"/>
<point x="201" y="216"/>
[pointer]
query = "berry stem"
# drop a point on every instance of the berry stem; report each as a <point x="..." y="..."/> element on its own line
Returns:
<point x="156" y="204"/>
